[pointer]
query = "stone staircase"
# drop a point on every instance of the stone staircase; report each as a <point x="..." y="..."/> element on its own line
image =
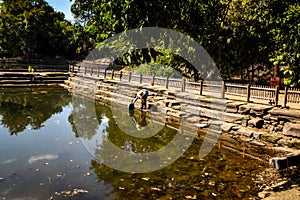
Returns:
<point x="35" y="78"/>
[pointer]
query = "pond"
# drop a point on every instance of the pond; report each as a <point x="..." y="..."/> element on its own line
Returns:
<point x="54" y="146"/>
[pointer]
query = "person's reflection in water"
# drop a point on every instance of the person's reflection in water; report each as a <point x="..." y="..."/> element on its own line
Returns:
<point x="140" y="120"/>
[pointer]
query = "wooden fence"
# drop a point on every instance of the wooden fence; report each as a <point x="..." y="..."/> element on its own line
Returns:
<point x="245" y="92"/>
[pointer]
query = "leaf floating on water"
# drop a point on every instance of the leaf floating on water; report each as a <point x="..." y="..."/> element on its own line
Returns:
<point x="156" y="189"/>
<point x="70" y="143"/>
<point x="70" y="193"/>
<point x="146" y="178"/>
<point x="121" y="188"/>
<point x="58" y="175"/>
<point x="191" y="197"/>
<point x="88" y="174"/>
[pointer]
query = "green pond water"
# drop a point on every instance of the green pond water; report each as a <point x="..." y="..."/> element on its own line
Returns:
<point x="54" y="146"/>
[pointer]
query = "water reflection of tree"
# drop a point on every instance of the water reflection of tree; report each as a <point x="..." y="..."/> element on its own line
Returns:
<point x="86" y="119"/>
<point x="23" y="107"/>
<point x="86" y="116"/>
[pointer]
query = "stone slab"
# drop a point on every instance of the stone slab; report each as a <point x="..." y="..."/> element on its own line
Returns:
<point x="285" y="113"/>
<point x="284" y="162"/>
<point x="291" y="129"/>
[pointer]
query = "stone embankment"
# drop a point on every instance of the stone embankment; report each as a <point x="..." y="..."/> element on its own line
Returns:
<point x="31" y="78"/>
<point x="258" y="125"/>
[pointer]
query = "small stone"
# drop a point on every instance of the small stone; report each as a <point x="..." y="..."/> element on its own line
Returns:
<point x="235" y="128"/>
<point x="202" y="125"/>
<point x="257" y="122"/>
<point x="245" y="132"/>
<point x="245" y="122"/>
<point x="264" y="194"/>
<point x="257" y="143"/>
<point x="274" y="119"/>
<point x="277" y="185"/>
<point x="280" y="127"/>
<point x="281" y="122"/>
<point x="257" y="135"/>
<point x="274" y="123"/>
<point x="227" y="126"/>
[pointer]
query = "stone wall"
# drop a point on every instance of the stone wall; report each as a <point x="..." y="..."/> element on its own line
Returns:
<point x="257" y="124"/>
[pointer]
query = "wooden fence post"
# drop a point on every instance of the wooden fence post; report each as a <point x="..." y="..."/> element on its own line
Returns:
<point x="276" y="95"/>
<point x="105" y="74"/>
<point x="201" y="87"/>
<point x="183" y="84"/>
<point x="285" y="96"/>
<point x="84" y="70"/>
<point x="167" y="81"/>
<point x="112" y="74"/>
<point x="141" y="78"/>
<point x="248" y="92"/>
<point x="91" y="71"/>
<point x="129" y="77"/>
<point x="223" y="90"/>
<point x="98" y="70"/>
<point x="153" y="79"/>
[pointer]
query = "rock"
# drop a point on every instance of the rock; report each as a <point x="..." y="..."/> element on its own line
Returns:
<point x="257" y="122"/>
<point x="244" y="109"/>
<point x="266" y="117"/>
<point x="233" y="117"/>
<point x="257" y="143"/>
<point x="172" y="103"/>
<point x="245" y="122"/>
<point x="291" y="129"/>
<point x="287" y="114"/>
<point x="202" y="125"/>
<point x="264" y="194"/>
<point x="245" y="132"/>
<point x="260" y="110"/>
<point x="235" y="128"/>
<point x="233" y="107"/>
<point x="257" y="135"/>
<point x="270" y="138"/>
<point x="284" y="162"/>
<point x="280" y="184"/>
<point x="227" y="126"/>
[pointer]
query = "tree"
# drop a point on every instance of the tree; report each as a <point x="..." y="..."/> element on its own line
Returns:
<point x="240" y="35"/>
<point x="285" y="32"/>
<point x="32" y="28"/>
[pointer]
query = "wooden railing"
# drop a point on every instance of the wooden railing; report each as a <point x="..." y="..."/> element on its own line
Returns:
<point x="245" y="92"/>
<point x="291" y="95"/>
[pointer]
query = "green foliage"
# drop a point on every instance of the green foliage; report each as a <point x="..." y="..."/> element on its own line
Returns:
<point x="32" y="29"/>
<point x="156" y="69"/>
<point x="238" y="34"/>
<point x="22" y="108"/>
